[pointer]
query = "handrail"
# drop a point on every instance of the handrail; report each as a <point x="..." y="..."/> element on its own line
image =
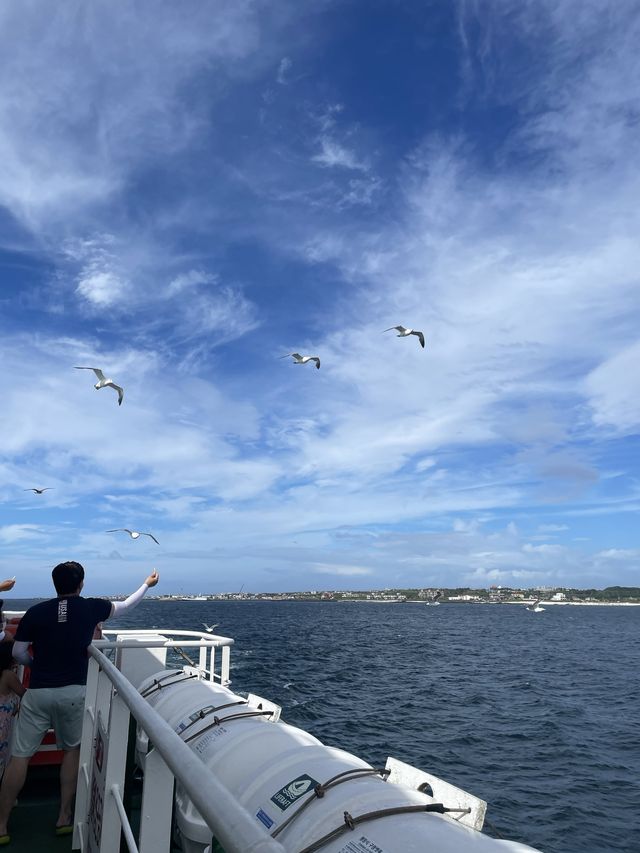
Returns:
<point x="228" y="821"/>
<point x="124" y="820"/>
<point x="158" y="644"/>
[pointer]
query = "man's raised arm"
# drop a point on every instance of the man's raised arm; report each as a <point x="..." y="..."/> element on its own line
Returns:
<point x="135" y="598"/>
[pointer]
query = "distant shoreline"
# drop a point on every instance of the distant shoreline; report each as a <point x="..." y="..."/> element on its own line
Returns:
<point x="524" y="603"/>
<point x="518" y="603"/>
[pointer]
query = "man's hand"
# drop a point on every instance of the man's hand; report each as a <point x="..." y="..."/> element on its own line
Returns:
<point x="9" y="584"/>
<point x="153" y="579"/>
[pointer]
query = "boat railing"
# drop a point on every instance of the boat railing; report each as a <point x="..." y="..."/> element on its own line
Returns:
<point x="111" y="702"/>
<point x="214" y="651"/>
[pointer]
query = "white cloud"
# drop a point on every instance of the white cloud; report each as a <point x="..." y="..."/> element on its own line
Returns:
<point x="58" y="155"/>
<point x="283" y="68"/>
<point x="10" y="533"/>
<point x="102" y="289"/>
<point x="190" y="280"/>
<point x="333" y="154"/>
<point x="613" y="390"/>
<point x="340" y="570"/>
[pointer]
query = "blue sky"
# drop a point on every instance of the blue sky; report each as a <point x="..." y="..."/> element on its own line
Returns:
<point x="187" y="195"/>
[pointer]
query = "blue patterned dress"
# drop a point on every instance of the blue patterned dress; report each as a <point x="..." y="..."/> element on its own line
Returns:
<point x="9" y="704"/>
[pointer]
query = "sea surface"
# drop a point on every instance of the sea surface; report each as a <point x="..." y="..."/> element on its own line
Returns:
<point x="537" y="713"/>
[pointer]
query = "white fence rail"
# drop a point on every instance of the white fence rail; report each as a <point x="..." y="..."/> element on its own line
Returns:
<point x="111" y="701"/>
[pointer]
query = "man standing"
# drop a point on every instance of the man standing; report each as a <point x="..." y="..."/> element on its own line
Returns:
<point x="59" y="630"/>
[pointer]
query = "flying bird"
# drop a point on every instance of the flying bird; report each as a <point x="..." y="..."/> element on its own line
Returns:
<point x="38" y="491"/>
<point x="103" y="382"/>
<point x="210" y="628"/>
<point x="302" y="359"/>
<point x="402" y="333"/>
<point x="133" y="533"/>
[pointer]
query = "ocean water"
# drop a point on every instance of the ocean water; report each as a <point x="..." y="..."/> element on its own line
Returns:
<point x="537" y="713"/>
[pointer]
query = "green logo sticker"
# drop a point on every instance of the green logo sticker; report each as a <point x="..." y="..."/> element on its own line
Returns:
<point x="293" y="791"/>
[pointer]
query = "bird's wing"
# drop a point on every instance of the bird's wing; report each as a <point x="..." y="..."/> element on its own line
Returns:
<point x="152" y="536"/>
<point x="317" y="361"/>
<point x="120" y="392"/>
<point x="96" y="370"/>
<point x="391" y="328"/>
<point x="296" y="355"/>
<point x="29" y="490"/>
<point x="420" y="338"/>
<point x="287" y="355"/>
<point x="117" y="530"/>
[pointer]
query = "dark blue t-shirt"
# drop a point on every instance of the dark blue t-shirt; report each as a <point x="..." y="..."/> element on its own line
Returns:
<point x="60" y="631"/>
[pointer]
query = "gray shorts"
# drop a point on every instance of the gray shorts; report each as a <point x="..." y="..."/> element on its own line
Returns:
<point x="44" y="708"/>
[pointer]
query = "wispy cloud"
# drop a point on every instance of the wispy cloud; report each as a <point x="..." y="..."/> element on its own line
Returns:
<point x="340" y="571"/>
<point x="283" y="69"/>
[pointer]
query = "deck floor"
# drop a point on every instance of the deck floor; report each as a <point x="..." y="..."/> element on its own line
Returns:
<point x="33" y="820"/>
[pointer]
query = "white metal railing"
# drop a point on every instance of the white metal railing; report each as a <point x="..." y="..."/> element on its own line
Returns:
<point x="207" y="644"/>
<point x="111" y="700"/>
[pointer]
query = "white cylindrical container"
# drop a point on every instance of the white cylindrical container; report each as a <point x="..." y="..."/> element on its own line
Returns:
<point x="274" y="769"/>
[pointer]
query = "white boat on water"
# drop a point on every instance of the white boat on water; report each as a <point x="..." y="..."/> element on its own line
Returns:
<point x="219" y="772"/>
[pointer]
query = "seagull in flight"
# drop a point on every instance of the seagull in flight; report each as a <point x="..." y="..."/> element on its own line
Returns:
<point x="133" y="533"/>
<point x="402" y="333"/>
<point x="209" y="628"/>
<point x="302" y="359"/>
<point x="38" y="491"/>
<point x="103" y="382"/>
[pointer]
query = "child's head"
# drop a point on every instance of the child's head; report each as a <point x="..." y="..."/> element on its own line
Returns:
<point x="6" y="655"/>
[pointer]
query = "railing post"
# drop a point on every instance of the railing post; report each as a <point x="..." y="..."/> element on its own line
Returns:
<point x="157" y="805"/>
<point x="202" y="661"/>
<point x="225" y="666"/>
<point x="116" y="759"/>
<point x="86" y="753"/>
<point x="212" y="663"/>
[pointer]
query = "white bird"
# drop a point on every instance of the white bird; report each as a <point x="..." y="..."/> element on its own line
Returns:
<point x="210" y="628"/>
<point x="103" y="382"/>
<point x="302" y="359"/>
<point x="402" y="333"/>
<point x="38" y="491"/>
<point x="133" y="533"/>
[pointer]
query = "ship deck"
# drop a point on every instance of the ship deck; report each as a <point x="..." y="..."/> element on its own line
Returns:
<point x="33" y="819"/>
<point x="32" y="822"/>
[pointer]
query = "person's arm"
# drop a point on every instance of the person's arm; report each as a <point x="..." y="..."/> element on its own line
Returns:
<point x="4" y="586"/>
<point x="21" y="652"/>
<point x="15" y="684"/>
<point x="118" y="607"/>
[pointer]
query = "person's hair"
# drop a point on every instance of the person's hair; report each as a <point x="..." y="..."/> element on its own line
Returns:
<point x="67" y="577"/>
<point x="6" y="655"/>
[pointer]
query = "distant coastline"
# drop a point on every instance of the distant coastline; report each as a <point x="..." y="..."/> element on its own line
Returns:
<point x="521" y="603"/>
